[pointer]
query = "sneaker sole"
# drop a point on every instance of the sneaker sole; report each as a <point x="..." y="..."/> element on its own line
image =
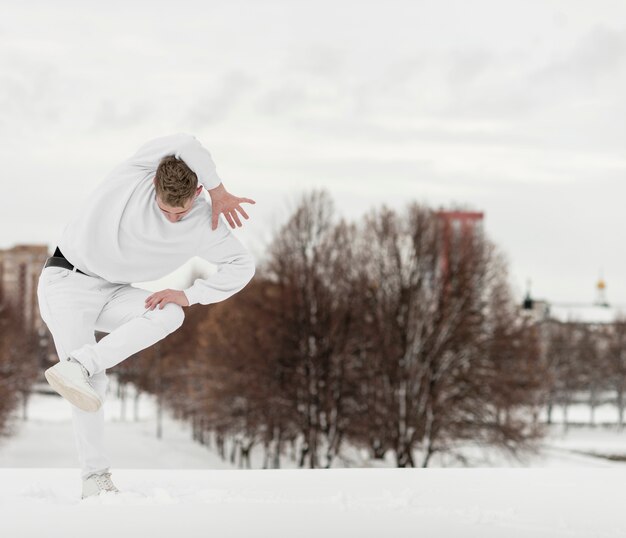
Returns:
<point x="75" y="396"/>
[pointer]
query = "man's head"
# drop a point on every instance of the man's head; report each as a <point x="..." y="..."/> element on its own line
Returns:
<point x="176" y="188"/>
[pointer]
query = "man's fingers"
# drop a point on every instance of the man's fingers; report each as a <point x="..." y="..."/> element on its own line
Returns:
<point x="152" y="301"/>
<point x="229" y="219"/>
<point x="214" y="219"/>
<point x="241" y="210"/>
<point x="247" y="200"/>
<point x="236" y="218"/>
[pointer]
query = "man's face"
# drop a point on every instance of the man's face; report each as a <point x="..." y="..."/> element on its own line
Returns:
<point x="174" y="214"/>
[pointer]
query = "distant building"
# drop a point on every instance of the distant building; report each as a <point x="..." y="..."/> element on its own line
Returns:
<point x="600" y="312"/>
<point x="20" y="267"/>
<point x="457" y="226"/>
<point x="601" y="293"/>
<point x="590" y="314"/>
<point x="536" y="309"/>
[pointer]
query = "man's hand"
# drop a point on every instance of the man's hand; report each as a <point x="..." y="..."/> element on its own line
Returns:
<point x="161" y="298"/>
<point x="224" y="202"/>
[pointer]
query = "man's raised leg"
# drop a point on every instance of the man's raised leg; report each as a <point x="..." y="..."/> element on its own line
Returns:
<point x="131" y="328"/>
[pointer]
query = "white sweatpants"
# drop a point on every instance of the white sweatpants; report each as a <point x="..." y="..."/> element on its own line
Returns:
<point x="73" y="305"/>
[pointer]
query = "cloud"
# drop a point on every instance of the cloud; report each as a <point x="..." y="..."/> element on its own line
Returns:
<point x="117" y="115"/>
<point x="600" y="52"/>
<point x="510" y="106"/>
<point x="215" y="108"/>
<point x="466" y="67"/>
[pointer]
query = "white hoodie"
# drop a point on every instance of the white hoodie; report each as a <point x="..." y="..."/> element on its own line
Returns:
<point x="121" y="235"/>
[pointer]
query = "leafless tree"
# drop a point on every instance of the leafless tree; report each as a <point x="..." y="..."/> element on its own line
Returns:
<point x="391" y="333"/>
<point x="444" y="337"/>
<point x="615" y="353"/>
<point x="19" y="363"/>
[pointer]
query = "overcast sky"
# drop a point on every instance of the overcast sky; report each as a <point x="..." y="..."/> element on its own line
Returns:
<point x="514" y="108"/>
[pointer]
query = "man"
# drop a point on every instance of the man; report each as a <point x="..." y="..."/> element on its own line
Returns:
<point x="145" y="219"/>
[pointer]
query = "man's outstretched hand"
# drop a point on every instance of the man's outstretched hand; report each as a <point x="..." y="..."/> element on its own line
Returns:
<point x="224" y="202"/>
<point x="161" y="298"/>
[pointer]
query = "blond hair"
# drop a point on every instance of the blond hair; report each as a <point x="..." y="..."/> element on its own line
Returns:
<point x="175" y="182"/>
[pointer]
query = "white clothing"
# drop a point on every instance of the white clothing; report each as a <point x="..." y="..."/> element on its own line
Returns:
<point x="118" y="237"/>
<point x="121" y="235"/>
<point x="73" y="305"/>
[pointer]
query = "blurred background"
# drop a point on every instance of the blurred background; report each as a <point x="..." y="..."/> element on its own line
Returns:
<point x="438" y="206"/>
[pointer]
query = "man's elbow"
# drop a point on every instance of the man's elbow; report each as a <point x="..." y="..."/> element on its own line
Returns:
<point x="245" y="268"/>
<point x="250" y="265"/>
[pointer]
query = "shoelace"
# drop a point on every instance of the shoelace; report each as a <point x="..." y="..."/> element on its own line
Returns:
<point x="82" y="369"/>
<point x="86" y="375"/>
<point x="104" y="481"/>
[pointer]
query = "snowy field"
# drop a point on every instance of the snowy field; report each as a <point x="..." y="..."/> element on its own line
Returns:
<point x="174" y="485"/>
<point x="499" y="503"/>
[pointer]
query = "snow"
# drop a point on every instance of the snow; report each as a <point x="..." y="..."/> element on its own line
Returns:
<point x="130" y="444"/>
<point x="585" y="313"/>
<point x="174" y="486"/>
<point x="311" y="503"/>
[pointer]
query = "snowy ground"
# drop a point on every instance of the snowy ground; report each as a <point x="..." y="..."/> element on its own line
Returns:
<point x="311" y="503"/>
<point x="173" y="485"/>
<point x="46" y="439"/>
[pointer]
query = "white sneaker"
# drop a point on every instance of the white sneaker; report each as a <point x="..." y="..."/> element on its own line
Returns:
<point x="96" y="483"/>
<point x="71" y="380"/>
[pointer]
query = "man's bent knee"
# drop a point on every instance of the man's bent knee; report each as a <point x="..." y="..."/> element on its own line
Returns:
<point x="170" y="317"/>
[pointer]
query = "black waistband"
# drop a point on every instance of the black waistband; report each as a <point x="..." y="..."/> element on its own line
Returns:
<point x="66" y="263"/>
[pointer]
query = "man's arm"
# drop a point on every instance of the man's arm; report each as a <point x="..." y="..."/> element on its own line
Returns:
<point x="184" y="146"/>
<point x="235" y="268"/>
<point x="187" y="147"/>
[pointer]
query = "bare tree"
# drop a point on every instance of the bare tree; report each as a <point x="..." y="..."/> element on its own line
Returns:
<point x="439" y="337"/>
<point x="312" y="263"/>
<point x="615" y="353"/>
<point x="391" y="334"/>
<point x="19" y="363"/>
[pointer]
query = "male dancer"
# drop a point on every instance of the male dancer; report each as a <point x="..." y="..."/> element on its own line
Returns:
<point x="145" y="219"/>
